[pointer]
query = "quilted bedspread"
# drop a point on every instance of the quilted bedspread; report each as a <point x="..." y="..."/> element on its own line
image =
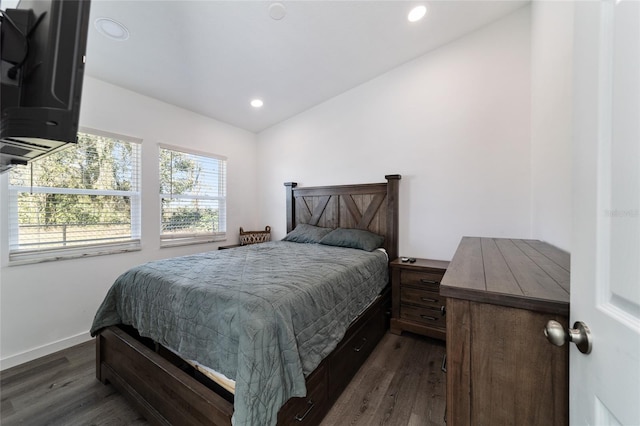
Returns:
<point x="264" y="315"/>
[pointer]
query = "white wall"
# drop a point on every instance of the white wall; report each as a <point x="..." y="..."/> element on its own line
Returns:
<point x="551" y="115"/>
<point x="455" y="123"/>
<point x="49" y="306"/>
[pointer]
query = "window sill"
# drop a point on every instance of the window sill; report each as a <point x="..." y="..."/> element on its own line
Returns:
<point x="25" y="258"/>
<point x="177" y="242"/>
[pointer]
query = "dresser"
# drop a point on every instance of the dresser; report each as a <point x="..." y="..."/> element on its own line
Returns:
<point x="416" y="302"/>
<point x="501" y="370"/>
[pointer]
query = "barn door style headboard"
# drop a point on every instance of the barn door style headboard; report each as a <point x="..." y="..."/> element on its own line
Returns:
<point x="371" y="206"/>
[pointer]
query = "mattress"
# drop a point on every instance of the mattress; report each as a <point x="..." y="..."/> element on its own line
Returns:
<point x="226" y="383"/>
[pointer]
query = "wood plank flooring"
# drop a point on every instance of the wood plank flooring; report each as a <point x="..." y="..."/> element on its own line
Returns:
<point x="401" y="384"/>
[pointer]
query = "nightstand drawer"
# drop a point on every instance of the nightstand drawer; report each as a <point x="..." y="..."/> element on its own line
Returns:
<point x="425" y="280"/>
<point x="416" y="302"/>
<point x="414" y="296"/>
<point x="429" y="316"/>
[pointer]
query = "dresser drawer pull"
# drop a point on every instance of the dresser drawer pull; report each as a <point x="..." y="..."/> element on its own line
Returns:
<point x="299" y="417"/>
<point x="427" y="317"/>
<point x="426" y="281"/>
<point x="426" y="299"/>
<point x="359" y="348"/>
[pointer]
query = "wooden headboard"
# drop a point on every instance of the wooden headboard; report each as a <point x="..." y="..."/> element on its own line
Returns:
<point x="372" y="206"/>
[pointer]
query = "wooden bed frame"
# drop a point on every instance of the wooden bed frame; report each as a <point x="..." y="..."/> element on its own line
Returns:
<point x="168" y="391"/>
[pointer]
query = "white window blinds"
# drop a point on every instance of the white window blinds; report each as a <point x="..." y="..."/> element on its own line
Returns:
<point x="192" y="197"/>
<point x="80" y="201"/>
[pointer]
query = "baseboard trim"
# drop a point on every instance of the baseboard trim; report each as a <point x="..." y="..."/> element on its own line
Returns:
<point x="31" y="354"/>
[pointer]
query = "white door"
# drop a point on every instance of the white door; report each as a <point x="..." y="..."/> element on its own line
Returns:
<point x="605" y="258"/>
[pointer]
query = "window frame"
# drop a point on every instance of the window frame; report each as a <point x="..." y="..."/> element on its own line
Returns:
<point x="26" y="256"/>
<point x="167" y="240"/>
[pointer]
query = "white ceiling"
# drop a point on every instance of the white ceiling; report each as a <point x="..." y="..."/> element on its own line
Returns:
<point x="213" y="57"/>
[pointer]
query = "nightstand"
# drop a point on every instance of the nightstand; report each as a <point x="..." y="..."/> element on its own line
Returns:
<point x="416" y="302"/>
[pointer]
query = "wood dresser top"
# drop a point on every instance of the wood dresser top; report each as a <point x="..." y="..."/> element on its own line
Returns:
<point x="526" y="274"/>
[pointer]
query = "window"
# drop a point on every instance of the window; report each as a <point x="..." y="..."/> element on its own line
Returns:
<point x="192" y="197"/>
<point x="83" y="200"/>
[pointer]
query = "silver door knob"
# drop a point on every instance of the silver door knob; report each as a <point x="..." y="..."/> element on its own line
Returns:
<point x="579" y="334"/>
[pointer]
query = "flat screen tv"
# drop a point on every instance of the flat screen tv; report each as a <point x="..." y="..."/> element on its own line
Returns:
<point x="43" y="47"/>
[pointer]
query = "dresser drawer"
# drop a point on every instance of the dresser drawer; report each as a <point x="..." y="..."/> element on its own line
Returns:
<point x="428" y="316"/>
<point x="425" y="280"/>
<point x="419" y="297"/>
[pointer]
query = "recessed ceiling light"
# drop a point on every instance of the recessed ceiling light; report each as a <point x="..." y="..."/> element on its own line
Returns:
<point x="417" y="13"/>
<point x="111" y="29"/>
<point x="277" y="11"/>
<point x="257" y="103"/>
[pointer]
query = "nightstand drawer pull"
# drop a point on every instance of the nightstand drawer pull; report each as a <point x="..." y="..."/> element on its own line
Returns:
<point x="426" y="281"/>
<point x="359" y="348"/>
<point x="426" y="299"/>
<point x="427" y="317"/>
<point x="299" y="417"/>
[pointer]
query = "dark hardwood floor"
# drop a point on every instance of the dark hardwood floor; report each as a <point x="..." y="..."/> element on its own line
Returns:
<point x="401" y="384"/>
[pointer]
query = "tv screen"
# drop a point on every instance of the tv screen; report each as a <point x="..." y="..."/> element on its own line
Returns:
<point x="43" y="47"/>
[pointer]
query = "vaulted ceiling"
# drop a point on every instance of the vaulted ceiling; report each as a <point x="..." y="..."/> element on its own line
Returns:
<point x="214" y="57"/>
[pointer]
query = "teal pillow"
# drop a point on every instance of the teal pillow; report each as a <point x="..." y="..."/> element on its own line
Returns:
<point x="353" y="238"/>
<point x="305" y="233"/>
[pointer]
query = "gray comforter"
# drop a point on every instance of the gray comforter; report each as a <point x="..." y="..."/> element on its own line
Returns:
<point x="264" y="315"/>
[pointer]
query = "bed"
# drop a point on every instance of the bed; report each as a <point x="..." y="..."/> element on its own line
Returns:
<point x="288" y="364"/>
